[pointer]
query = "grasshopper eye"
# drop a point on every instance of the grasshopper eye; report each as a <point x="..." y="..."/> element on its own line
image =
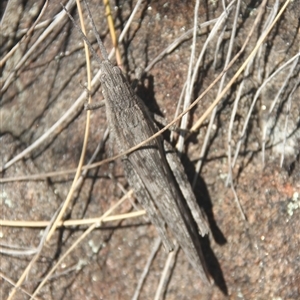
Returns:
<point x="103" y="78"/>
<point x="117" y="70"/>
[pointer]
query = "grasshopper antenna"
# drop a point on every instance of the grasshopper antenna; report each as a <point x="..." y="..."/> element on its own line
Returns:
<point x="96" y="33"/>
<point x="85" y="38"/>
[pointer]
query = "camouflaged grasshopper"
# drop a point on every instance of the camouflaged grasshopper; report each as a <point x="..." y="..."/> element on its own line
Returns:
<point x="154" y="170"/>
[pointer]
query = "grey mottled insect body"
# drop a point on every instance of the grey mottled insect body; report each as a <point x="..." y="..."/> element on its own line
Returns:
<point x="154" y="171"/>
<point x="147" y="169"/>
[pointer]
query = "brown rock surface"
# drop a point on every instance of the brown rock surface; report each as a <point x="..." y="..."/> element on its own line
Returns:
<point x="258" y="259"/>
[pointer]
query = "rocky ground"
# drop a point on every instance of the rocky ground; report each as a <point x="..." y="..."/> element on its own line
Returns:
<point x="254" y="259"/>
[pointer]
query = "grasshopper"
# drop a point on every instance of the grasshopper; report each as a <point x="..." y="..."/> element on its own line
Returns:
<point x="154" y="170"/>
